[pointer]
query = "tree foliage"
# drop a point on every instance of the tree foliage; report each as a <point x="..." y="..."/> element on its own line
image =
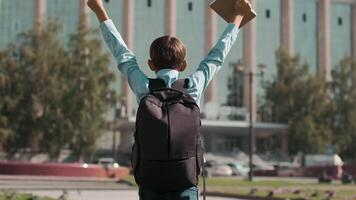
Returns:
<point x="300" y="100"/>
<point x="235" y="87"/>
<point x="54" y="96"/>
<point x="344" y="99"/>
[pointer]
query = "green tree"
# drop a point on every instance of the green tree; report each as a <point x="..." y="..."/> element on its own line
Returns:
<point x="235" y="87"/>
<point x="54" y="97"/>
<point x="300" y="100"/>
<point x="9" y="95"/>
<point x="29" y="69"/>
<point x="90" y="91"/>
<point x="344" y="99"/>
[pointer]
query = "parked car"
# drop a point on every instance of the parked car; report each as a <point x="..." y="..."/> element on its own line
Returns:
<point x="221" y="170"/>
<point x="287" y="170"/>
<point x="239" y="169"/>
<point x="108" y="162"/>
<point x="208" y="166"/>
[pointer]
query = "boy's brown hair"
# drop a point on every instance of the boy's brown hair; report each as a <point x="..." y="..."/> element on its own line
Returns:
<point x="167" y="52"/>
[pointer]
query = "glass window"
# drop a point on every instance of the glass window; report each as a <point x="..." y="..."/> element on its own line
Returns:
<point x="339" y="21"/>
<point x="268" y="14"/>
<point x="190" y="6"/>
<point x="304" y="17"/>
<point x="149" y="3"/>
<point x="16" y="26"/>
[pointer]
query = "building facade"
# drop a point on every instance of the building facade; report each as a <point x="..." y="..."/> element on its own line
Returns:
<point x="321" y="32"/>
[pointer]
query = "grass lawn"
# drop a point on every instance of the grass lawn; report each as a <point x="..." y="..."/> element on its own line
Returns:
<point x="284" y="189"/>
<point x="12" y="196"/>
<point x="280" y="188"/>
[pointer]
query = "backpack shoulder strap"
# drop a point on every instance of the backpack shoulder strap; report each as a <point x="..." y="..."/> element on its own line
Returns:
<point x="181" y="85"/>
<point x="156" y="84"/>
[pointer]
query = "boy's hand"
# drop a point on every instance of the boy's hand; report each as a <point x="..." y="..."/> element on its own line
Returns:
<point x="98" y="8"/>
<point x="242" y="7"/>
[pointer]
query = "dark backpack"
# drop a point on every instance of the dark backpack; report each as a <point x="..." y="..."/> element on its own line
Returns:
<point x="167" y="154"/>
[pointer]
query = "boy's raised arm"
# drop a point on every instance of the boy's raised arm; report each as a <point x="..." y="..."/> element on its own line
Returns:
<point x="216" y="57"/>
<point x="126" y="60"/>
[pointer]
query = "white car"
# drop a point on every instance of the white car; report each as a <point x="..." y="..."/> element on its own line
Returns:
<point x="221" y="170"/>
<point x="239" y="169"/>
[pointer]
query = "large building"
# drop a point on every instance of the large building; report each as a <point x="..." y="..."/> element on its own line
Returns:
<point x="322" y="32"/>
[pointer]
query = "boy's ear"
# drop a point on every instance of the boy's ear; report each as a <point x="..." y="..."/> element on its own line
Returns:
<point x="183" y="66"/>
<point x="152" y="66"/>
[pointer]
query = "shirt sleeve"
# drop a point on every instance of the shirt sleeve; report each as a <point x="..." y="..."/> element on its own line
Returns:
<point x="125" y="59"/>
<point x="201" y="78"/>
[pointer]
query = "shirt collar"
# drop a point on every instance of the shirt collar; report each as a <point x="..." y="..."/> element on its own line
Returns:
<point x="169" y="73"/>
<point x="169" y="76"/>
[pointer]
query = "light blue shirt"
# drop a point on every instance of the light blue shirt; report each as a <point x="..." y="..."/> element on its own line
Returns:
<point x="138" y="81"/>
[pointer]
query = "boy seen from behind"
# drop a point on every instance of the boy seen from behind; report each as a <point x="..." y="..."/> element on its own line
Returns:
<point x="167" y="154"/>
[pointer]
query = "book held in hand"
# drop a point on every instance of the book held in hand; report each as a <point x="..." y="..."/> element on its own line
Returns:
<point x="226" y="10"/>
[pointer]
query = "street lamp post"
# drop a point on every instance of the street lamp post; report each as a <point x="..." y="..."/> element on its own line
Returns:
<point x="252" y="133"/>
<point x="240" y="67"/>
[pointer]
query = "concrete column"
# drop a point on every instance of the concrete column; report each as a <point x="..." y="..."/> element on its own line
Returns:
<point x="170" y="19"/>
<point x="249" y="57"/>
<point x="128" y="36"/>
<point x="210" y="39"/>
<point x="324" y="40"/>
<point x="354" y="31"/>
<point x="288" y="25"/>
<point x="84" y="13"/>
<point x="40" y="13"/>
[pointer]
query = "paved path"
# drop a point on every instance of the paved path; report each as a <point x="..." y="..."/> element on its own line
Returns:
<point x="58" y="183"/>
<point x="73" y="188"/>
<point x="102" y="195"/>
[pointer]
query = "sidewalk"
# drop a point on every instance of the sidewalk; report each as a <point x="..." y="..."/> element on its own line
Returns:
<point x="107" y="195"/>
<point x="32" y="183"/>
<point x="73" y="188"/>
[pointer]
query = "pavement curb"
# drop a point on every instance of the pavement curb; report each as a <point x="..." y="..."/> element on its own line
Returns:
<point x="246" y="197"/>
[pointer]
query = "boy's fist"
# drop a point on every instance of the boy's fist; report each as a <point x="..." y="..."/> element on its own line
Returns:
<point x="95" y="5"/>
<point x="98" y="8"/>
<point x="242" y="7"/>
